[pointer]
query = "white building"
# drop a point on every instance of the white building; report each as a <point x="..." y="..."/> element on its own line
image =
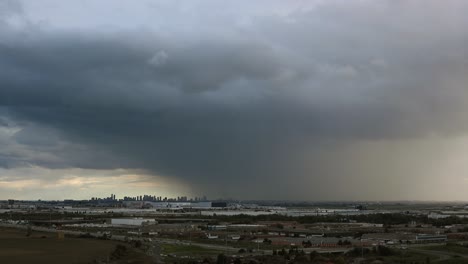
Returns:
<point x="132" y="221"/>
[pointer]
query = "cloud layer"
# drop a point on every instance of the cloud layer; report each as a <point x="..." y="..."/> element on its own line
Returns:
<point x="254" y="102"/>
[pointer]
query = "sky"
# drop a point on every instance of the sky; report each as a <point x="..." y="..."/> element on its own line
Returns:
<point x="294" y="100"/>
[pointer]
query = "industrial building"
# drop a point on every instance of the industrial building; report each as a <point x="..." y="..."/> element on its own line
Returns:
<point x="132" y="221"/>
<point x="425" y="238"/>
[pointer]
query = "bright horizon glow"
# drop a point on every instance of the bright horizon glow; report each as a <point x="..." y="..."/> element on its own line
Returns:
<point x="60" y="184"/>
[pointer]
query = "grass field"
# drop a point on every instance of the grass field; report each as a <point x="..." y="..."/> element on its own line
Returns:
<point x="454" y="261"/>
<point x="409" y="257"/>
<point x="16" y="247"/>
<point x="453" y="248"/>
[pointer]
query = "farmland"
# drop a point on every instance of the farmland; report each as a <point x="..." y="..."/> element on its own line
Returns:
<point x="16" y="247"/>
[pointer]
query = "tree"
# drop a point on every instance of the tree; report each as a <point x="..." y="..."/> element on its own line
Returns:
<point x="137" y="244"/>
<point x="340" y="260"/>
<point x="384" y="251"/>
<point x="222" y="259"/>
<point x="29" y="231"/>
<point x="313" y="255"/>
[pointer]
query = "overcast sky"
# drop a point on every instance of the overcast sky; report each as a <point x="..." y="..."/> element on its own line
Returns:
<point x="303" y="100"/>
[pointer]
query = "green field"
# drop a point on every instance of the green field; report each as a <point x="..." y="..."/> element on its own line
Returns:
<point x="452" y="248"/>
<point x="454" y="261"/>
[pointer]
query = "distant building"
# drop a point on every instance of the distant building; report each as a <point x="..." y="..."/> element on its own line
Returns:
<point x="219" y="204"/>
<point x="425" y="238"/>
<point x="175" y="205"/>
<point x="386" y="238"/>
<point x="132" y="221"/>
<point x="216" y="227"/>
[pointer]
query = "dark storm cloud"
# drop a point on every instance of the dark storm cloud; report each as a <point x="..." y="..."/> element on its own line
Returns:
<point x="3" y="122"/>
<point x="246" y="106"/>
<point x="9" y="8"/>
